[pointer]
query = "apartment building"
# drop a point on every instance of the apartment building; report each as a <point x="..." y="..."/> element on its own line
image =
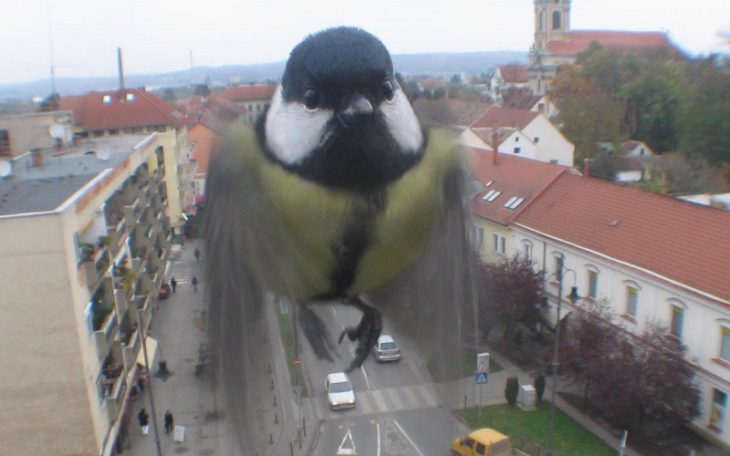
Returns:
<point x="85" y="238"/>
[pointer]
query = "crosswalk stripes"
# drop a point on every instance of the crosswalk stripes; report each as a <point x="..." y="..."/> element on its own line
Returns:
<point x="384" y="400"/>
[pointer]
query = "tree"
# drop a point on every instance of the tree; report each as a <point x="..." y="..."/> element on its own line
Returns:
<point x="510" y="293"/>
<point x="511" y="389"/>
<point x="704" y="116"/>
<point x="640" y="382"/>
<point x="169" y="95"/>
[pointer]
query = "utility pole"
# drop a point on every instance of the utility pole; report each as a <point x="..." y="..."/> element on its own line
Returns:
<point x="143" y="333"/>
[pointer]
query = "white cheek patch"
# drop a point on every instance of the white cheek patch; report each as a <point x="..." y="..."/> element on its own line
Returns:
<point x="402" y="123"/>
<point x="293" y="131"/>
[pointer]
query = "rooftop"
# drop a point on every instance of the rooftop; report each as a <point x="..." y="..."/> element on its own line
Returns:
<point x="506" y="178"/>
<point x="514" y="73"/>
<point x="677" y="240"/>
<point x="579" y="40"/>
<point x="47" y="186"/>
<point x="496" y="117"/>
<point x="446" y="112"/>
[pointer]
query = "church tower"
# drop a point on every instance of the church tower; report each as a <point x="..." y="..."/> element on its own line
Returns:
<point x="552" y="22"/>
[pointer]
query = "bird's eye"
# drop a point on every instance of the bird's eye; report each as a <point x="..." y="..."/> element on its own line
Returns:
<point x="388" y="90"/>
<point x="311" y="98"/>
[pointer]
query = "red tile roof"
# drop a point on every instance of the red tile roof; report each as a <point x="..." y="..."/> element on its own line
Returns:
<point x="578" y="41"/>
<point x="505" y="117"/>
<point x="519" y="98"/>
<point x="513" y="176"/>
<point x="243" y="93"/>
<point x="677" y="240"/>
<point x="125" y="108"/>
<point x="446" y="112"/>
<point x="516" y="74"/>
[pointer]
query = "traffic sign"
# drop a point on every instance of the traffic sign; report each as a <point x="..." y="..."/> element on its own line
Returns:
<point x="483" y="362"/>
<point x="481" y="377"/>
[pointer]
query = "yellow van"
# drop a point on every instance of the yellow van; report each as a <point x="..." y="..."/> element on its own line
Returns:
<point x="482" y="442"/>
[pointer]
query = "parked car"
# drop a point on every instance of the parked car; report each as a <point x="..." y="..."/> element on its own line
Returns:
<point x="386" y="349"/>
<point x="482" y="442"/>
<point x="340" y="394"/>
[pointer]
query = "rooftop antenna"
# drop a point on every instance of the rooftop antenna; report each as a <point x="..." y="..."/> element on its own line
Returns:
<point x="50" y="49"/>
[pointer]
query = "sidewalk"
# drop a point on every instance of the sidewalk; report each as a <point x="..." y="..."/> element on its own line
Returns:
<point x="179" y="327"/>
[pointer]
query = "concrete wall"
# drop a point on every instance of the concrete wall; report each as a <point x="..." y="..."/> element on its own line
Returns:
<point x="42" y="387"/>
<point x="32" y="131"/>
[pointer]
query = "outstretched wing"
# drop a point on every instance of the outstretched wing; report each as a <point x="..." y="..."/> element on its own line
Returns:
<point x="433" y="301"/>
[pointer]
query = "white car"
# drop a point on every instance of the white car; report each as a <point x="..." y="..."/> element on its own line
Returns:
<point x="339" y="391"/>
<point x="386" y="349"/>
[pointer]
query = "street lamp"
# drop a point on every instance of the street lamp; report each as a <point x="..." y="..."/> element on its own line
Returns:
<point x="556" y="344"/>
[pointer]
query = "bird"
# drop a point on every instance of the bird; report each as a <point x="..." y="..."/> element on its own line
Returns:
<point x="338" y="194"/>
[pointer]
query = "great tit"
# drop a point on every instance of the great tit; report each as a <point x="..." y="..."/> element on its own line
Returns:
<point x="338" y="194"/>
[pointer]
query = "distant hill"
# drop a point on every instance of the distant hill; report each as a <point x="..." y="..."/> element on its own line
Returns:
<point x="438" y="64"/>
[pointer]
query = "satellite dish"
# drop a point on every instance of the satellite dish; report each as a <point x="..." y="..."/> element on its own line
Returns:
<point x="57" y="131"/>
<point x="6" y="168"/>
<point x="103" y="154"/>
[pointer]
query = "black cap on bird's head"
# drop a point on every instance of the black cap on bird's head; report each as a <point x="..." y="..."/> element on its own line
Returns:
<point x="339" y="117"/>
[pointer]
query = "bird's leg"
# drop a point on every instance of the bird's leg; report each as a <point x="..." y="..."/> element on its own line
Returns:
<point x="366" y="332"/>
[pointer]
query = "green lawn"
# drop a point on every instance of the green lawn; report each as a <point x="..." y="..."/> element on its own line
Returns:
<point x="570" y="438"/>
<point x="468" y="366"/>
<point x="287" y="338"/>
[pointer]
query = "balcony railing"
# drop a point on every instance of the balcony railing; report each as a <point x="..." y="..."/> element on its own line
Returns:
<point x="129" y="350"/>
<point x="104" y="336"/>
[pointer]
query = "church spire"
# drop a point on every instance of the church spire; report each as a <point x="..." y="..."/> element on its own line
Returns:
<point x="552" y="21"/>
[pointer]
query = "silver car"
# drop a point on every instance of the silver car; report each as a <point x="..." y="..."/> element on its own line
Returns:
<point x="386" y="349"/>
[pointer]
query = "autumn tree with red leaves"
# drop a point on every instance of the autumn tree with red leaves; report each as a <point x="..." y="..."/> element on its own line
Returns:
<point x="509" y="293"/>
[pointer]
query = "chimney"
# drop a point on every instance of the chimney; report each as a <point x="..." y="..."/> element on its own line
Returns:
<point x="121" y="68"/>
<point x="586" y="166"/>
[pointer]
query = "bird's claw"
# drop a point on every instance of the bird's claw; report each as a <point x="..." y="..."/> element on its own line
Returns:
<point x="366" y="333"/>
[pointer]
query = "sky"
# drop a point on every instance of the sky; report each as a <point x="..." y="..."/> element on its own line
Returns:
<point x="160" y="35"/>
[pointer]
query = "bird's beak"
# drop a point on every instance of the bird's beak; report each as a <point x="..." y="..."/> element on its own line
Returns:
<point x="356" y="110"/>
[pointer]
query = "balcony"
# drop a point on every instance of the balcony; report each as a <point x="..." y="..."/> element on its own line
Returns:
<point x="112" y="385"/>
<point x="131" y="213"/>
<point x="129" y="349"/>
<point x="105" y="334"/>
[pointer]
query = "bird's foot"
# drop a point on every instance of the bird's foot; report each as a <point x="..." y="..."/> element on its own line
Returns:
<point x="366" y="332"/>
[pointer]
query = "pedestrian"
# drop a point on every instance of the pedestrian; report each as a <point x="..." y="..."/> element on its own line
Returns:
<point x="144" y="421"/>
<point x="173" y="283"/>
<point x="169" y="422"/>
<point x="197" y="254"/>
<point x="195" y="283"/>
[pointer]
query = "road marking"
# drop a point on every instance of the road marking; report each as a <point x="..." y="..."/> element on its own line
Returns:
<point x="410" y="397"/>
<point x="379" y="402"/>
<point x="377" y="428"/>
<point x="365" y="374"/>
<point x="395" y="398"/>
<point x="363" y="403"/>
<point x="347" y="447"/>
<point x="407" y="437"/>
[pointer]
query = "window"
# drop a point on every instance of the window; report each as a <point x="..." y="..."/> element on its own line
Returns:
<point x="719" y="405"/>
<point x="513" y="202"/>
<point x="558" y="266"/>
<point x="517" y="139"/>
<point x="556" y="20"/>
<point x="632" y="300"/>
<point x="130" y="97"/>
<point x="491" y="195"/>
<point x="677" y="323"/>
<point x="510" y="201"/>
<point x="489" y="184"/>
<point x="480" y="448"/>
<point x="499" y="243"/>
<point x="479" y="234"/>
<point x="542" y="108"/>
<point x="527" y="250"/>
<point x="725" y="344"/>
<point x="106" y="99"/>
<point x="517" y="150"/>
<point x="592" y="284"/>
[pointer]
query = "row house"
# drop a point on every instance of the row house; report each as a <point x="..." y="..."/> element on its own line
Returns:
<point x="86" y="240"/>
<point x="652" y="258"/>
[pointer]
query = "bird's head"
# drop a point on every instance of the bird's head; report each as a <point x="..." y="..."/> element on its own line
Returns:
<point x="339" y="116"/>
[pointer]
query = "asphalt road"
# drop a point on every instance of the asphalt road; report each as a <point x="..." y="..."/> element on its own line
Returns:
<point x="397" y="409"/>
